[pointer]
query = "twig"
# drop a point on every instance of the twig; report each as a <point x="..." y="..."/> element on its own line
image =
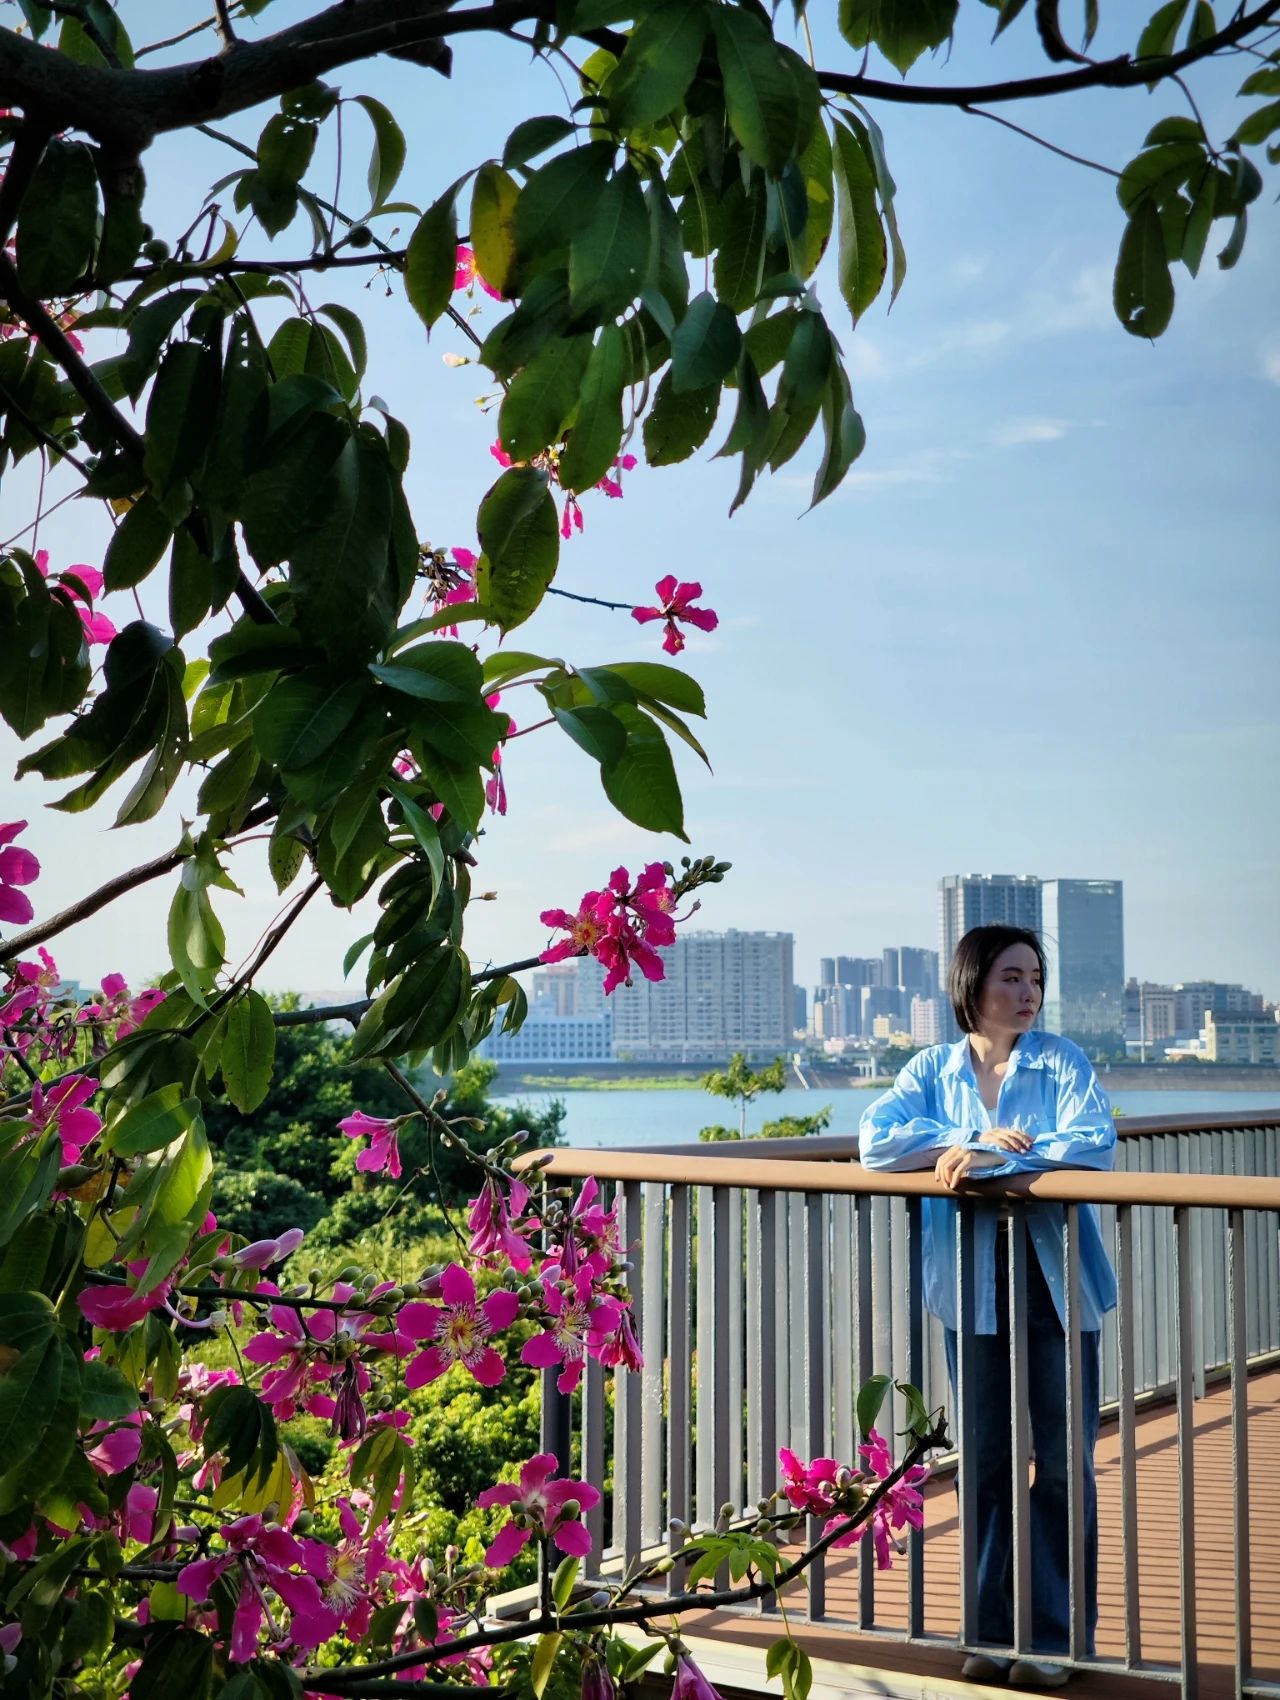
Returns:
<point x="596" y="601"/>
<point x="223" y="25"/>
<point x="1063" y="153"/>
<point x="99" y="899"/>
<point x="353" y="1011"/>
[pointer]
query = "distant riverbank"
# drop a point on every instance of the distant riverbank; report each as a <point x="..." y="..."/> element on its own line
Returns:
<point x="1120" y="1077"/>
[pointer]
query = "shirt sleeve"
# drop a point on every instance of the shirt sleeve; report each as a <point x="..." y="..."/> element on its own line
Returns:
<point x="1084" y="1132"/>
<point x="899" y="1131"/>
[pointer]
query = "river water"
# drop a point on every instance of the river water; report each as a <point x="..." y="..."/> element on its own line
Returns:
<point x="666" y="1115"/>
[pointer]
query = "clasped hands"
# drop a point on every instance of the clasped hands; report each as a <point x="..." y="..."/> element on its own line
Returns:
<point x="956" y="1162"/>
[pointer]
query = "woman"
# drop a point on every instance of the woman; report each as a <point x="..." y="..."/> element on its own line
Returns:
<point x="1009" y="1100"/>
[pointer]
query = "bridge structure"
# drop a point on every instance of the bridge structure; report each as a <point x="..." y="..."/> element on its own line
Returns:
<point x="771" y="1279"/>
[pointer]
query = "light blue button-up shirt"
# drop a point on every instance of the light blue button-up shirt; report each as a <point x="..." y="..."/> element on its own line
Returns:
<point x="1051" y="1092"/>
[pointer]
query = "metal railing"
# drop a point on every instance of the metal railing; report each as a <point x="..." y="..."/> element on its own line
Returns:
<point x="767" y="1288"/>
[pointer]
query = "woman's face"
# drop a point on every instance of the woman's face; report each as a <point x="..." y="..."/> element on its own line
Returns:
<point x="1011" y="994"/>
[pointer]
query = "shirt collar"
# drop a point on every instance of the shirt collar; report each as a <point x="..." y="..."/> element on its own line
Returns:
<point x="1027" y="1053"/>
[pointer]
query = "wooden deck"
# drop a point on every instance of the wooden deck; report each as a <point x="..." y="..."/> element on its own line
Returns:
<point x="846" y="1663"/>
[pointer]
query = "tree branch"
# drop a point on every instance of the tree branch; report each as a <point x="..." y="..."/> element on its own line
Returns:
<point x="347" y="1679"/>
<point x="13" y="947"/>
<point x="1119" y="73"/>
<point x="353" y="1011"/>
<point x="1063" y="153"/>
<point x="28" y="151"/>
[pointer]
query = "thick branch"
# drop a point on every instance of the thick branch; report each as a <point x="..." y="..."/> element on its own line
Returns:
<point x="90" y="905"/>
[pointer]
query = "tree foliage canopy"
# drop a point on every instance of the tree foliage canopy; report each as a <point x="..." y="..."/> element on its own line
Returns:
<point x="651" y="255"/>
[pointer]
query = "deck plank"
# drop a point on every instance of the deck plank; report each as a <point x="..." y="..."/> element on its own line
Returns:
<point x="1158" y="1563"/>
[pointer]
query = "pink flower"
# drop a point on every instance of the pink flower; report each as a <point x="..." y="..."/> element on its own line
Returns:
<point x="585" y="929"/>
<point x="267" y="1557"/>
<point x="902" y="1505"/>
<point x="597" y="1684"/>
<point x="500" y="454"/>
<point x="690" y="1684"/>
<point x="466" y="274"/>
<point x="117" y="1445"/>
<point x="348" y="1575"/>
<point x="261" y="1254"/>
<point x="620" y="949"/>
<point x="114" y="1309"/>
<point x="495" y="789"/>
<point x="613" y="486"/>
<point x="118" y="1004"/>
<point x="675" y="602"/>
<point x="620" y="1345"/>
<point x="547" y="1507"/>
<point x="572" y="520"/>
<point x="17" y="867"/>
<point x="79" y="590"/>
<point x="62" y="1106"/>
<point x="383" y="1151"/>
<point x="619" y="926"/>
<point x="576" y="1317"/>
<point x="459" y="1330"/>
<point x="811" y="1488"/>
<point x="491" y="1218"/>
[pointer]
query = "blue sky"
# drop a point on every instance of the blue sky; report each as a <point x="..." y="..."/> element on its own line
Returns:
<point x="1034" y="632"/>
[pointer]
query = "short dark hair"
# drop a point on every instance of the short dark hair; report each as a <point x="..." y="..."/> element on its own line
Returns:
<point x="972" y="962"/>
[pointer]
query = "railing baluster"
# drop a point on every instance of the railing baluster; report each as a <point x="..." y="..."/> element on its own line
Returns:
<point x="968" y="1399"/>
<point x="1126" y="1359"/>
<point x="653" y="1257"/>
<point x="769" y="1299"/>
<point x="705" y="1420"/>
<point x="1075" y="1432"/>
<point x="679" y="1428"/>
<point x="735" y="1402"/>
<point x="815" y="1329"/>
<point x="628" y="1469"/>
<point x="1186" y="1448"/>
<point x="725" y="1414"/>
<point x="1236" y="1300"/>
<point x="863" y="1368"/>
<point x="915" y="1375"/>
<point x="593" y="1449"/>
<point x="1020" y="1419"/>
<point x="842" y="1389"/>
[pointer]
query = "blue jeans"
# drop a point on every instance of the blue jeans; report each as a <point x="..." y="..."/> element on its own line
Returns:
<point x="1047" y="1397"/>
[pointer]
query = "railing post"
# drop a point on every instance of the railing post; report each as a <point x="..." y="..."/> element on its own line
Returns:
<point x="680" y="1362"/>
<point x="967" y="1399"/>
<point x="1186" y="1449"/>
<point x="816" y="1273"/>
<point x="1020" y="1438"/>
<point x="1236" y="1299"/>
<point x="1076" y="1529"/>
<point x="1126" y="1352"/>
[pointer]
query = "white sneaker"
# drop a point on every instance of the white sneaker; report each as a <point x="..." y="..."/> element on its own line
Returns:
<point x="984" y="1667"/>
<point x="1038" y="1673"/>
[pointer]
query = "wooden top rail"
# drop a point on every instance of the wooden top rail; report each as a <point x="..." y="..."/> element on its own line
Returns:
<point x="835" y="1147"/>
<point x="771" y="1174"/>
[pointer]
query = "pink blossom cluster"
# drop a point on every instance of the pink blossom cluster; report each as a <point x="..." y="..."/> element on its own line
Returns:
<point x="825" y="1488"/>
<point x="549" y="462"/>
<point x="18" y="867"/>
<point x="620" y="926"/>
<point x="583" y="1316"/>
<point x="80" y="586"/>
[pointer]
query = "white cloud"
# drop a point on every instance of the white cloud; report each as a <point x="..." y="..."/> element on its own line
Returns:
<point x="1270" y="357"/>
<point x="1017" y="432"/>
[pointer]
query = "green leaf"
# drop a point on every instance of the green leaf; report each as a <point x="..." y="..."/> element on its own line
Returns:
<point x="760" y="94"/>
<point x="659" y="63"/>
<point x="609" y="252"/>
<point x="434" y="672"/>
<point x="1143" y="287"/>
<point x="520" y="540"/>
<point x="596" y="435"/>
<point x="864" y="255"/>
<point x="105" y="1394"/>
<point x="740" y="260"/>
<point x="595" y="730"/>
<point x="642" y="783"/>
<point x="352" y="328"/>
<point x="458" y="786"/>
<point x="541" y="398"/>
<point x="300" y="719"/>
<point x="1159" y="38"/>
<point x="58" y="220"/>
<point x="387" y="159"/>
<point x="248" y="1051"/>
<point x="178" y="1661"/>
<point x="677" y="424"/>
<point x="544" y="1656"/>
<point x="533" y="136"/>
<point x="816" y="171"/>
<point x="427" y="835"/>
<point x="871" y="1396"/>
<point x="180" y="413"/>
<point x="136" y="545"/>
<point x="563" y="1580"/>
<point x="27" y="1174"/>
<point x="431" y="259"/>
<point x="1259" y="125"/>
<point x="157" y="1121"/>
<point x="846" y="436"/>
<point x="493" y="234"/>
<point x="558" y="198"/>
<point x="30" y="1385"/>
<point x="901" y="29"/>
<point x="888" y="189"/>
<point x="705" y="346"/>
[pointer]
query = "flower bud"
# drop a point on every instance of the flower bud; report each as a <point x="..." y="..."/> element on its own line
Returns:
<point x="315" y="1277"/>
<point x="303" y="1522"/>
<point x="570" y="1511"/>
<point x="349" y="1272"/>
<point x="452" y="359"/>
